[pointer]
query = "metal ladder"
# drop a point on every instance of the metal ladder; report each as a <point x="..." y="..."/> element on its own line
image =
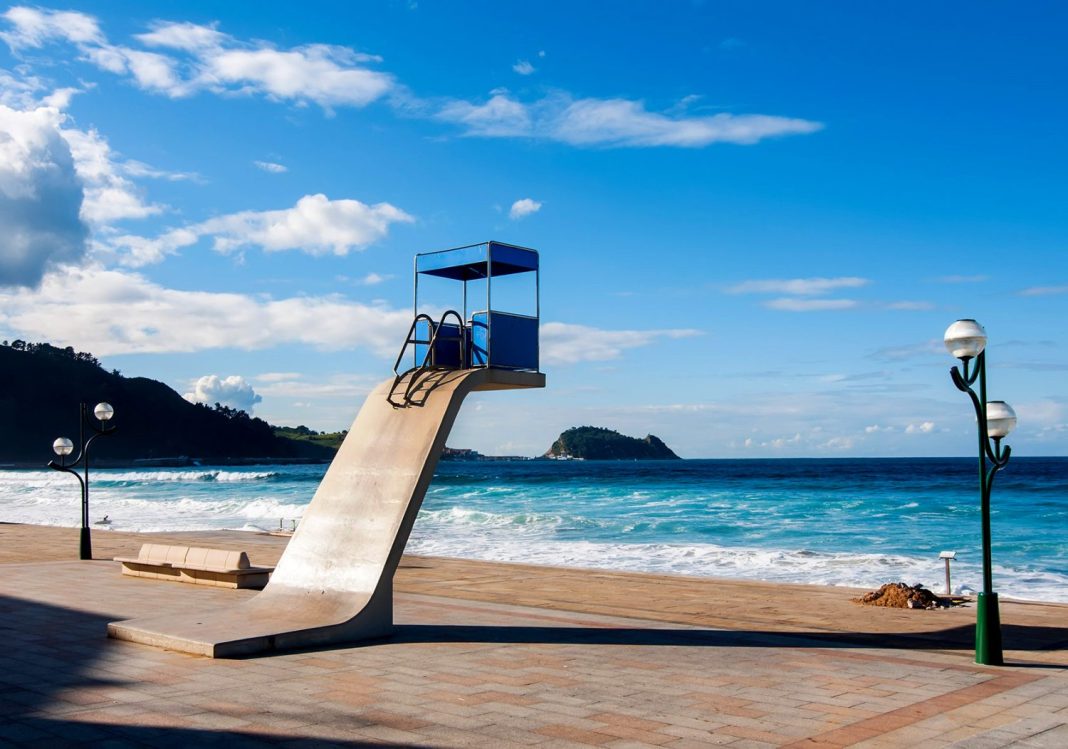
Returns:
<point x="420" y="383"/>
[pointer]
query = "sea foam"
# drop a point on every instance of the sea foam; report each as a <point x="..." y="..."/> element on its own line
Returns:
<point x="832" y="522"/>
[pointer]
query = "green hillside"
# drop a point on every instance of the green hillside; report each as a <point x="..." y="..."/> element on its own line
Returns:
<point x="302" y="433"/>
<point x="41" y="387"/>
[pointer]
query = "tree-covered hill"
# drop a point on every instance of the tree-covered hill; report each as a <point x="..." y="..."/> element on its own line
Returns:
<point x="597" y="443"/>
<point x="302" y="433"/>
<point x="41" y="386"/>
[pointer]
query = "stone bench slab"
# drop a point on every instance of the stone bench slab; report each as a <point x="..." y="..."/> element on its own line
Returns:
<point x="216" y="567"/>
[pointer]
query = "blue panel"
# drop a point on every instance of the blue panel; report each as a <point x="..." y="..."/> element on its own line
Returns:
<point x="446" y="347"/>
<point x="470" y="263"/>
<point x="446" y="262"/>
<point x="514" y="343"/>
<point x="508" y="255"/>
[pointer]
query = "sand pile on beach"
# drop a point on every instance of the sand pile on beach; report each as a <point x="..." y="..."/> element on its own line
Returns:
<point x="901" y="596"/>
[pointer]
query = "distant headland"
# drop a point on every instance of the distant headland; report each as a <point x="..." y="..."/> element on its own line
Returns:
<point x="598" y="443"/>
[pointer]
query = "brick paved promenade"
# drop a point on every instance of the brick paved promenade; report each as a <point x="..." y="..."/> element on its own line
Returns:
<point x="508" y="655"/>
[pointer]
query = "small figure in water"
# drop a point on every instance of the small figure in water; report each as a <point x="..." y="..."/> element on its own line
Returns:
<point x="103" y="521"/>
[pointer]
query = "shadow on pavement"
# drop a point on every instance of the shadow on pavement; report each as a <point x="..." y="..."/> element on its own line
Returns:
<point x="50" y="733"/>
<point x="1015" y="637"/>
<point x="49" y="653"/>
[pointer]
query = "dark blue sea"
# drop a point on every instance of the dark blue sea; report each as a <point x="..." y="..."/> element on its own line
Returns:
<point x="859" y="522"/>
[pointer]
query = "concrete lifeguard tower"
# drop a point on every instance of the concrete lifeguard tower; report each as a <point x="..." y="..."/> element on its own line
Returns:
<point x="488" y="338"/>
<point x="334" y="582"/>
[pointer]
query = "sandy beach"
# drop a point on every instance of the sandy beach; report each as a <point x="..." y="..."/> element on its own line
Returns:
<point x="490" y="654"/>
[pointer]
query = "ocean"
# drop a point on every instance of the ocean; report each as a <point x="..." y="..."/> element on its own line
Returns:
<point x="853" y="522"/>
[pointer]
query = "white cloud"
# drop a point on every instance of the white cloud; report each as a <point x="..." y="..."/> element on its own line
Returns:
<point x="523" y="67"/>
<point x="373" y="279"/>
<point x="31" y="27"/>
<point x="188" y="37"/>
<point x="931" y="348"/>
<point x="202" y="58"/>
<point x="962" y="279"/>
<point x="273" y="377"/>
<point x="776" y="443"/>
<point x="60" y="98"/>
<point x="789" y="304"/>
<point x="523" y="207"/>
<point x="41" y="197"/>
<point x="875" y="429"/>
<point x="22" y="92"/>
<point x="499" y="117"/>
<point x="781" y="442"/>
<point x="66" y="169"/>
<point x="272" y="167"/>
<point x="140" y="169"/>
<point x="152" y="71"/>
<point x="233" y="391"/>
<point x="135" y="251"/>
<point x="925" y="427"/>
<point x="315" y="225"/>
<point x="612" y="122"/>
<point x="564" y="343"/>
<point x="108" y="193"/>
<point x="911" y="306"/>
<point x="325" y="401"/>
<point x="798" y="286"/>
<point x="331" y="388"/>
<point x="321" y="73"/>
<point x="111" y="312"/>
<point x="36" y="27"/>
<point x="109" y="196"/>
<point x="621" y="122"/>
<point x="1044" y="290"/>
<point x="1045" y="413"/>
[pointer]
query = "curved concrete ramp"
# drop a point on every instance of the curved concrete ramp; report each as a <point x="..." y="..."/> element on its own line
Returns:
<point x="334" y="583"/>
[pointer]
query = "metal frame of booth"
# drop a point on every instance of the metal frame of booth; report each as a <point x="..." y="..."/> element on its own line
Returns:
<point x="518" y="347"/>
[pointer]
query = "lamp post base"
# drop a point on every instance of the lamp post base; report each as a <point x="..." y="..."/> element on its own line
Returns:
<point x="86" y="546"/>
<point x="988" y="631"/>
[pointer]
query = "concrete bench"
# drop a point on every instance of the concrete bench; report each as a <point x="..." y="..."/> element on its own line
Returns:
<point x="190" y="564"/>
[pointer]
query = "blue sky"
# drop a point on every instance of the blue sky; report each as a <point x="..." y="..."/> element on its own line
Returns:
<point x="755" y="219"/>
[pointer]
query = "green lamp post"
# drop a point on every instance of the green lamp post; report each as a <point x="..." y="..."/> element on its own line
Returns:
<point x="63" y="447"/>
<point x="966" y="340"/>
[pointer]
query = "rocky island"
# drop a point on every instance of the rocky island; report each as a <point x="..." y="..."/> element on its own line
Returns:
<point x="598" y="443"/>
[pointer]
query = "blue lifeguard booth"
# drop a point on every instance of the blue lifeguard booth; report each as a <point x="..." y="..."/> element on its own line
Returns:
<point x="474" y="333"/>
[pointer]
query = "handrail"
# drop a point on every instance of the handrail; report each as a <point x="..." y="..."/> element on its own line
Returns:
<point x="431" y="353"/>
<point x="459" y="339"/>
<point x="408" y="339"/>
<point x="429" y="357"/>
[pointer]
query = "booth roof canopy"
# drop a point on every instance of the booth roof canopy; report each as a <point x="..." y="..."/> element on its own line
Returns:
<point x="471" y="262"/>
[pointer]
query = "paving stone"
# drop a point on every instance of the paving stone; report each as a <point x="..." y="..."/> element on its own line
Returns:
<point x="568" y="672"/>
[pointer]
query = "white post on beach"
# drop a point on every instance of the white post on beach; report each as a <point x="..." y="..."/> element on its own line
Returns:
<point x="947" y="555"/>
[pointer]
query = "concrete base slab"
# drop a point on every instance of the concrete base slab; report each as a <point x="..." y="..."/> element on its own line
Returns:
<point x="280" y="621"/>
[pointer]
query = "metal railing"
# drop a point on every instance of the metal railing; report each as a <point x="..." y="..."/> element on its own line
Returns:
<point x="429" y="362"/>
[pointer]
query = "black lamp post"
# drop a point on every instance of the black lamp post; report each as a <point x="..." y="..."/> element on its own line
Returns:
<point x="64" y="447"/>
<point x="966" y="340"/>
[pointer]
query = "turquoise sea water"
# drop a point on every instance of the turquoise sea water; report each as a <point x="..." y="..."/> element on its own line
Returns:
<point x="839" y="522"/>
